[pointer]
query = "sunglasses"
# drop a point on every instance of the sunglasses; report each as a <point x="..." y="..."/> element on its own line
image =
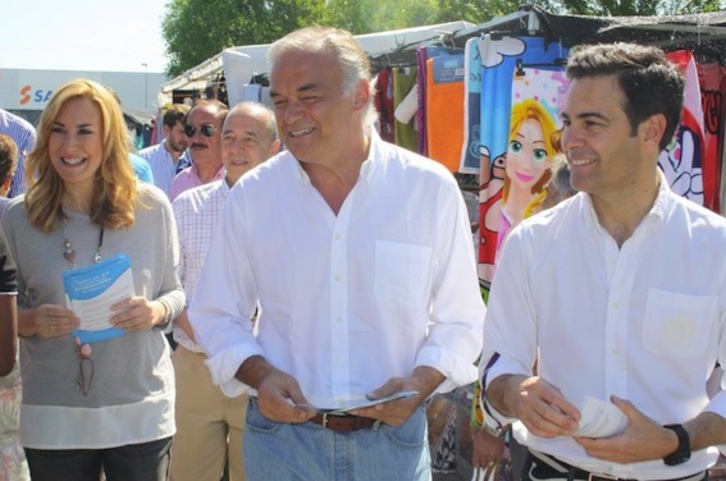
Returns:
<point x="207" y="130"/>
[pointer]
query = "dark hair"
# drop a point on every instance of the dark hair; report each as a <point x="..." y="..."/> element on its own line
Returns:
<point x="8" y="156"/>
<point x="651" y="83"/>
<point x="175" y="113"/>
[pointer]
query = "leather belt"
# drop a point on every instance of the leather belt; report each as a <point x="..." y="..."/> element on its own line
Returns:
<point x="541" y="466"/>
<point x="343" y="424"/>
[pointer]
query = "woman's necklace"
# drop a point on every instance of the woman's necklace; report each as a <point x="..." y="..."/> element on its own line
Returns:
<point x="84" y="350"/>
<point x="70" y="253"/>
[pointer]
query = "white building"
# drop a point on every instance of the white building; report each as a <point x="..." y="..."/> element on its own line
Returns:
<point x="26" y="92"/>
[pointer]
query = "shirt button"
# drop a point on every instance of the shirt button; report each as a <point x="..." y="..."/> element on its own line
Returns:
<point x="340" y="361"/>
<point x="338" y="236"/>
<point x="339" y="319"/>
<point x="338" y="277"/>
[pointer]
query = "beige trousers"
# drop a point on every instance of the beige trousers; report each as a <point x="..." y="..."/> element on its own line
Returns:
<point x="210" y="426"/>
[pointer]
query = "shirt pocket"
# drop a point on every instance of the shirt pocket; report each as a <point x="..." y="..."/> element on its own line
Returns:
<point x="678" y="325"/>
<point x="402" y="275"/>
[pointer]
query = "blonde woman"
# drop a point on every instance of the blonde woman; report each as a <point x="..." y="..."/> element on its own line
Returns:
<point x="106" y="406"/>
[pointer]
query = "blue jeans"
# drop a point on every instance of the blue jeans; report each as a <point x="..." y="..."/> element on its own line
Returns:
<point x="135" y="462"/>
<point x="309" y="452"/>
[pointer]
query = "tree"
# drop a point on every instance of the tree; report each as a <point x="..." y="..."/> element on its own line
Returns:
<point x="195" y="30"/>
<point x="475" y="11"/>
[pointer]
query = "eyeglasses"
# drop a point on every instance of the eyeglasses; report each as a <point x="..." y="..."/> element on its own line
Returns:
<point x="207" y="130"/>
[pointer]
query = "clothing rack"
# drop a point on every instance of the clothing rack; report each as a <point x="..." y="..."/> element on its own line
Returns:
<point x="560" y="63"/>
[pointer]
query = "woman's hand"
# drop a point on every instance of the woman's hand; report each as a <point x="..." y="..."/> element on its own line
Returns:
<point x="138" y="314"/>
<point x="48" y="321"/>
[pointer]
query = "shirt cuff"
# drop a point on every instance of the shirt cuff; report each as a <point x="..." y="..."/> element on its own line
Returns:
<point x="224" y="366"/>
<point x="500" y="367"/>
<point x="458" y="371"/>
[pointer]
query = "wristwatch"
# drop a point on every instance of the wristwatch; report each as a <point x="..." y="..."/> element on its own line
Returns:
<point x="683" y="453"/>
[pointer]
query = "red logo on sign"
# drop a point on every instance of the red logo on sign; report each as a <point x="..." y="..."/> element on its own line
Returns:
<point x="25" y="94"/>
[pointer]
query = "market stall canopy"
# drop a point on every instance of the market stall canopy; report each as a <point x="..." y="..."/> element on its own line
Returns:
<point x="241" y="64"/>
<point x="703" y="33"/>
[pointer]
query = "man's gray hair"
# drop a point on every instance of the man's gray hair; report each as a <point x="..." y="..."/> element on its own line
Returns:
<point x="352" y="58"/>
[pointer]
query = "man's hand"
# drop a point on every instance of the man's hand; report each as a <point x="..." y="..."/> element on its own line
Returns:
<point x="424" y="380"/>
<point x="182" y="322"/>
<point x="278" y="393"/>
<point x="642" y="440"/>
<point x="542" y="407"/>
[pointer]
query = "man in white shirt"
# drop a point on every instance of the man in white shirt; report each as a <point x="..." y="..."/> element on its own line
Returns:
<point x="618" y="294"/>
<point x="169" y="156"/>
<point x="359" y="255"/>
<point x="209" y="424"/>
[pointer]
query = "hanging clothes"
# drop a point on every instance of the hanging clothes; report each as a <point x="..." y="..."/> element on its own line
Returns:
<point x="683" y="161"/>
<point x="445" y="109"/>
<point x="499" y="57"/>
<point x="384" y="104"/>
<point x="406" y="126"/>
<point x="470" y="151"/>
<point x="711" y="81"/>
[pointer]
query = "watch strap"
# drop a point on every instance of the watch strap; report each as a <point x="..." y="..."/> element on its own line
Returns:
<point x="683" y="453"/>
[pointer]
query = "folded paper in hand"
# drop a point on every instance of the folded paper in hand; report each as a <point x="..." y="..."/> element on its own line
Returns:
<point x="359" y="403"/>
<point x="600" y="419"/>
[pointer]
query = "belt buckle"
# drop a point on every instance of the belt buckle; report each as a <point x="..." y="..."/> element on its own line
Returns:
<point x="325" y="420"/>
<point x="601" y="477"/>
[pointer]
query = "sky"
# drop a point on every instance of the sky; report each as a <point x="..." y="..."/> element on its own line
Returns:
<point x="95" y="35"/>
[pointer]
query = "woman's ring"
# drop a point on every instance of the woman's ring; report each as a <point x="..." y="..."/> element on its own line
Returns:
<point x="52" y="328"/>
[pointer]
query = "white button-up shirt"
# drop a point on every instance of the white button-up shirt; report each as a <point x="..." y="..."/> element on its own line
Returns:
<point x="644" y="322"/>
<point x="197" y="212"/>
<point x="346" y="301"/>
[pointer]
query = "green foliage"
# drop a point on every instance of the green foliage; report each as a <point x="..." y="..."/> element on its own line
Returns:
<point x="475" y="11"/>
<point x="195" y="30"/>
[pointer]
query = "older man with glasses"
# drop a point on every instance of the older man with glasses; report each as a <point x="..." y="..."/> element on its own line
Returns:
<point x="203" y="129"/>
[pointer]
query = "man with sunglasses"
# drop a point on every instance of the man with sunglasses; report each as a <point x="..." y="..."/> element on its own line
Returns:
<point x="203" y="129"/>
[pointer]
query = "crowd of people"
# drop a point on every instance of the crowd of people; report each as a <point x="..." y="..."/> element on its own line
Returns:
<point x="320" y="293"/>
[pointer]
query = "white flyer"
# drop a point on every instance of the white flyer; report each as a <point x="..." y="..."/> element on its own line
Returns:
<point x="600" y="419"/>
<point x="92" y="290"/>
